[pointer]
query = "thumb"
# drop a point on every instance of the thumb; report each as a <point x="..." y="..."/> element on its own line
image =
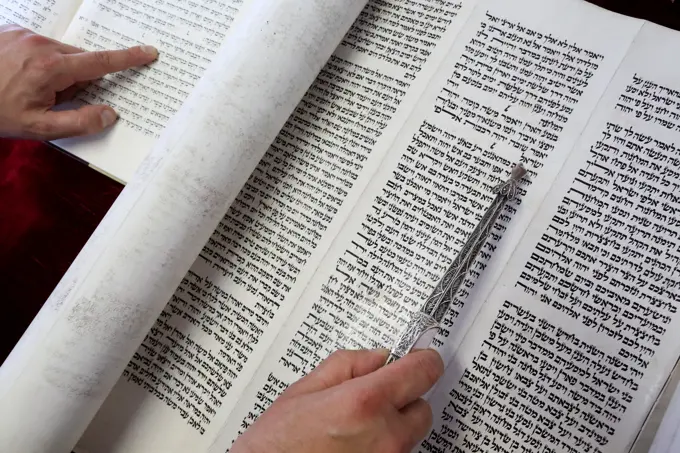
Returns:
<point x="341" y="366"/>
<point x="87" y="120"/>
<point x="409" y="378"/>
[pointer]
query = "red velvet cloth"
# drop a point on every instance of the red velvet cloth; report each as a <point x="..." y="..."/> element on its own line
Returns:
<point x="50" y="204"/>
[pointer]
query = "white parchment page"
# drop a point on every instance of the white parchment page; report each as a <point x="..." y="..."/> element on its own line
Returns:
<point x="436" y="181"/>
<point x="204" y="349"/>
<point x="46" y="17"/>
<point x="580" y="335"/>
<point x="88" y="330"/>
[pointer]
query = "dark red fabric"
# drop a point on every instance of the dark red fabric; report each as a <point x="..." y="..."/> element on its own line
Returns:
<point x="662" y="12"/>
<point x="50" y="204"/>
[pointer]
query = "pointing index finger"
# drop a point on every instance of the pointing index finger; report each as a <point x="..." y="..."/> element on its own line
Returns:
<point x="87" y="66"/>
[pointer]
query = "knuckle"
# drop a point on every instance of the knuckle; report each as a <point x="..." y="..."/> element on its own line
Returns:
<point x="43" y="63"/>
<point x="342" y="356"/>
<point x="365" y="402"/>
<point x="33" y="39"/>
<point x="39" y="128"/>
<point x="15" y="29"/>
<point x="430" y="365"/>
<point x="419" y="422"/>
<point x="102" y="58"/>
<point x="426" y="415"/>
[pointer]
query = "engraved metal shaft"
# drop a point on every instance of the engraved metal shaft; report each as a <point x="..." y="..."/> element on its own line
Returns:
<point x="433" y="311"/>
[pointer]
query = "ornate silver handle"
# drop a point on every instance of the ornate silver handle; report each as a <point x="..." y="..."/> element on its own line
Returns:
<point x="432" y="313"/>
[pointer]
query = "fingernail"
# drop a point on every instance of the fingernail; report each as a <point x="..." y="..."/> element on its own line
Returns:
<point x="150" y="50"/>
<point x="108" y="118"/>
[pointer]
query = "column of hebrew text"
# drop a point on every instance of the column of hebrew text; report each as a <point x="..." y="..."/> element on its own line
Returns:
<point x="579" y="337"/>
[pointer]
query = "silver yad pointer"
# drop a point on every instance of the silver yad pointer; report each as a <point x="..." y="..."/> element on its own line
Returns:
<point x="426" y="322"/>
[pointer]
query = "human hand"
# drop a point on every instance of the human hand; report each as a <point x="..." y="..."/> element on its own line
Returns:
<point x="37" y="73"/>
<point x="350" y="404"/>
